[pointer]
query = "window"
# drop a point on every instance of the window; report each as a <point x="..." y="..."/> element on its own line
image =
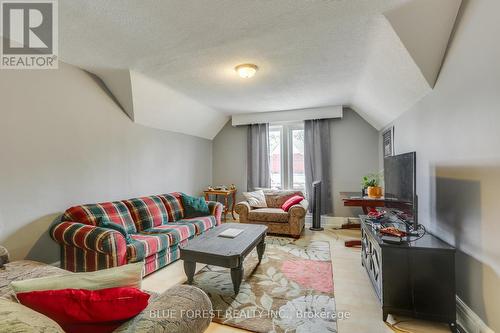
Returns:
<point x="275" y="134"/>
<point x="286" y="149"/>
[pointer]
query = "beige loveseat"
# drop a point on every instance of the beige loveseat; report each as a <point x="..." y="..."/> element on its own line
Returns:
<point x="276" y="219"/>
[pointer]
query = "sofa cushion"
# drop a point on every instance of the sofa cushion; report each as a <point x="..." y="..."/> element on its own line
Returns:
<point x="256" y="199"/>
<point x="177" y="231"/>
<point x="19" y="318"/>
<point x="296" y="199"/>
<point x="147" y="212"/>
<point x="121" y="276"/>
<point x="147" y="245"/>
<point x="202" y="223"/>
<point x="173" y="203"/>
<point x="276" y="199"/>
<point x="161" y="259"/>
<point x="82" y="311"/>
<point x="21" y="270"/>
<point x="116" y="212"/>
<point x="268" y="215"/>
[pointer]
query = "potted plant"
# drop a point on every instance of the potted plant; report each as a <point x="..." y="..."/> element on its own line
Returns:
<point x="371" y="183"/>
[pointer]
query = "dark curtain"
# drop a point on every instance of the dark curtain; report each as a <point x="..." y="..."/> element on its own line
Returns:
<point x="317" y="160"/>
<point x="258" y="157"/>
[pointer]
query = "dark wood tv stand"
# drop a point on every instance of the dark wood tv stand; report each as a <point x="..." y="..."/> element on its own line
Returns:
<point x="415" y="279"/>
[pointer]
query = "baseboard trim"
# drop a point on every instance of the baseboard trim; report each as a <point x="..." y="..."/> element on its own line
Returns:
<point x="328" y="221"/>
<point x="469" y="320"/>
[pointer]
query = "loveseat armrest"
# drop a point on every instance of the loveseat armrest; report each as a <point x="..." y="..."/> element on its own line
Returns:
<point x="181" y="309"/>
<point x="299" y="210"/>
<point x="90" y="238"/>
<point x="298" y="217"/>
<point x="216" y="209"/>
<point x="242" y="209"/>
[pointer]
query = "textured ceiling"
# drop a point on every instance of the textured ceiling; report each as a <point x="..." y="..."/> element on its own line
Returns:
<point x="310" y="53"/>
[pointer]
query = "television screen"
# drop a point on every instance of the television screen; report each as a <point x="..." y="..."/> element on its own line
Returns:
<point x="400" y="186"/>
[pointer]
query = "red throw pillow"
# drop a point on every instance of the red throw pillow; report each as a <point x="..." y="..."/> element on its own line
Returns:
<point x="292" y="201"/>
<point x="80" y="310"/>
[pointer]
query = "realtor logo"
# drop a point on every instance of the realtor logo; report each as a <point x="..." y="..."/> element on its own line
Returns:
<point x="29" y="34"/>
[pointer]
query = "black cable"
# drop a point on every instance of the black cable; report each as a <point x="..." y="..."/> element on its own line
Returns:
<point x="424" y="231"/>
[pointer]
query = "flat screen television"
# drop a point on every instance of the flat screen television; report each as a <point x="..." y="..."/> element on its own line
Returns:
<point x="400" y="187"/>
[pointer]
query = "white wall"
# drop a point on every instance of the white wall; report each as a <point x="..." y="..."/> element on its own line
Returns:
<point x="158" y="106"/>
<point x="63" y="142"/>
<point x="151" y="103"/>
<point x="426" y="43"/>
<point x="354" y="154"/>
<point x="455" y="131"/>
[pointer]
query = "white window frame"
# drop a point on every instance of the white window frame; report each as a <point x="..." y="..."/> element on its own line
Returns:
<point x="286" y="131"/>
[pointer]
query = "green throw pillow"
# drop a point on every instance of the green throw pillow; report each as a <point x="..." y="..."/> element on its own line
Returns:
<point x="104" y="222"/>
<point x="194" y="207"/>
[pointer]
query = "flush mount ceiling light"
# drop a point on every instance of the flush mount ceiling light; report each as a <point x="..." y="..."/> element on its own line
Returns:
<point x="246" y="71"/>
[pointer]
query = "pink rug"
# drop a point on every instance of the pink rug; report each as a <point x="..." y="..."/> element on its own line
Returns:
<point x="290" y="291"/>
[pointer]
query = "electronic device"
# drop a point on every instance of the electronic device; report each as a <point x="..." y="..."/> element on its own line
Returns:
<point x="400" y="187"/>
<point x="316" y="206"/>
<point x="392" y="225"/>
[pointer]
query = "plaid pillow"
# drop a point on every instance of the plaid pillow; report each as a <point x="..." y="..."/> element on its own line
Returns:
<point x="116" y="212"/>
<point x="147" y="212"/>
<point x="173" y="203"/>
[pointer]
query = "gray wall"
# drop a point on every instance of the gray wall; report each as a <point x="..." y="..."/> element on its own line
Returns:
<point x="355" y="152"/>
<point x="455" y="131"/>
<point x="63" y="142"/>
<point x="230" y="157"/>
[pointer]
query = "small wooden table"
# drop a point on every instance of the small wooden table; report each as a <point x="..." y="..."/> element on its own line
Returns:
<point x="365" y="203"/>
<point x="226" y="194"/>
<point x="209" y="248"/>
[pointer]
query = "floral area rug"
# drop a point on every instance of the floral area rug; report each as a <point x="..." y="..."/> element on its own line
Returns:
<point x="290" y="291"/>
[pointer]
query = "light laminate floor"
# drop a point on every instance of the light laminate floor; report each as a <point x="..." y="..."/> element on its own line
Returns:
<point x="353" y="291"/>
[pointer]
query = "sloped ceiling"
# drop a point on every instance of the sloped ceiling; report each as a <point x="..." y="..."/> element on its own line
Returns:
<point x="377" y="56"/>
<point x="150" y="103"/>
<point x="424" y="28"/>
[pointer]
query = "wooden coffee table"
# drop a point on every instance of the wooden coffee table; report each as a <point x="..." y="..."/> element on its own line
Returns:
<point x="211" y="249"/>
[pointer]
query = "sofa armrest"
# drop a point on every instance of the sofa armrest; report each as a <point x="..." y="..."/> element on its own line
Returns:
<point x="90" y="238"/>
<point x="242" y="209"/>
<point x="216" y="209"/>
<point x="181" y="309"/>
<point x="299" y="210"/>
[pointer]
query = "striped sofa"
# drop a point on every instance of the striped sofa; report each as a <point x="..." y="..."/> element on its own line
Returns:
<point x="148" y="229"/>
